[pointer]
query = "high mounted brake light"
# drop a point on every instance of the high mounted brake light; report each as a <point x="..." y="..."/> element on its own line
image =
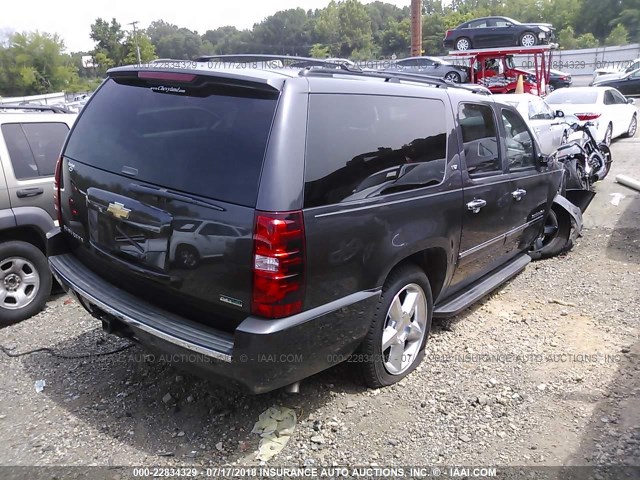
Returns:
<point x="278" y="264"/>
<point x="169" y="76"/>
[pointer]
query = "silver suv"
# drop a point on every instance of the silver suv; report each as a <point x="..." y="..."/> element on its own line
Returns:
<point x="31" y="139"/>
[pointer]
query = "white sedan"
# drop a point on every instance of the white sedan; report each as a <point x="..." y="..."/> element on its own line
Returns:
<point x="611" y="112"/>
<point x="546" y="124"/>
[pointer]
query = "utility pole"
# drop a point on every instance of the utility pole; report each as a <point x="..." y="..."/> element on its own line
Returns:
<point x="416" y="28"/>
<point x="135" y="39"/>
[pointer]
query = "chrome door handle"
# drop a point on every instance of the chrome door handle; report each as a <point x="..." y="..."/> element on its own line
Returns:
<point x="476" y="205"/>
<point x="518" y="194"/>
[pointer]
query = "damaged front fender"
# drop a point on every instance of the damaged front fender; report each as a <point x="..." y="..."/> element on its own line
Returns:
<point x="575" y="213"/>
<point x="580" y="198"/>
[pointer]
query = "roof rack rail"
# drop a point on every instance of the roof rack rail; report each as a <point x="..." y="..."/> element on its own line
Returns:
<point x="396" y="77"/>
<point x="287" y="60"/>
<point x="35" y="108"/>
<point x="387" y="76"/>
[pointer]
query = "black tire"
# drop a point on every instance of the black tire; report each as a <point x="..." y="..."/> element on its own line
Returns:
<point x="633" y="127"/>
<point x="36" y="263"/>
<point x="606" y="153"/>
<point x="187" y="256"/>
<point x="371" y="358"/>
<point x="576" y="177"/>
<point x="525" y="37"/>
<point x="463" y="42"/>
<point x="454" y="77"/>
<point x="555" y="238"/>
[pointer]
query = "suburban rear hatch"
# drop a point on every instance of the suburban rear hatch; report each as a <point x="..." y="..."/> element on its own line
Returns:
<point x="158" y="187"/>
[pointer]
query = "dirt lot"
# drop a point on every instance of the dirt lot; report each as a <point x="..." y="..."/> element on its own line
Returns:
<point x="544" y="372"/>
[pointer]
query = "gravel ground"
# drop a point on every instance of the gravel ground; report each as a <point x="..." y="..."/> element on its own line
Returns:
<point x="543" y="372"/>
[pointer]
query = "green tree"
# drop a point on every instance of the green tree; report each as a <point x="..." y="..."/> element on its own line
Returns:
<point x="630" y="18"/>
<point x="597" y="17"/>
<point x="319" y="51"/>
<point x="327" y="28"/>
<point x="396" y="38"/>
<point x="171" y="41"/>
<point x="34" y="63"/>
<point x="567" y="38"/>
<point x="108" y="38"/>
<point x="285" y="32"/>
<point x="147" y="49"/>
<point x="381" y="15"/>
<point x="562" y="13"/>
<point x="618" y="36"/>
<point x="433" y="30"/>
<point x="587" y="40"/>
<point x="355" y="28"/>
<point x="229" y="40"/>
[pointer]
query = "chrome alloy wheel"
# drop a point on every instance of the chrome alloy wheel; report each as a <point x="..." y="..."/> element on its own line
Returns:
<point x="19" y="283"/>
<point x="404" y="329"/>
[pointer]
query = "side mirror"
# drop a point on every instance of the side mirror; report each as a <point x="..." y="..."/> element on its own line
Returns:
<point x="543" y="160"/>
<point x="631" y="101"/>
<point x="559" y="114"/>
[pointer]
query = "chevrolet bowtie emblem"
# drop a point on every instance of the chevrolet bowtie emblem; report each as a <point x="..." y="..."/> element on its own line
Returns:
<point x="118" y="210"/>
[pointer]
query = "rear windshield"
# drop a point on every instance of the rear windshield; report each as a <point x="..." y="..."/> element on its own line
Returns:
<point x="569" y="95"/>
<point x="212" y="146"/>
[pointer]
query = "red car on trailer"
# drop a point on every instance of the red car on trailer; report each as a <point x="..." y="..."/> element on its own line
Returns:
<point x="495" y="69"/>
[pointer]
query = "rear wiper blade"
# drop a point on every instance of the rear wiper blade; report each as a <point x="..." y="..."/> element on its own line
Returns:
<point x="161" y="192"/>
<point x="400" y="187"/>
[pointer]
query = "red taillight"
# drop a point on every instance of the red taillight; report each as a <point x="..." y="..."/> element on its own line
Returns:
<point x="57" y="179"/>
<point x="587" y="116"/>
<point x="446" y="35"/>
<point x="278" y="264"/>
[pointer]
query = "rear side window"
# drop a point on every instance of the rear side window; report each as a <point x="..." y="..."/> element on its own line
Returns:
<point x="479" y="134"/>
<point x="361" y="146"/>
<point x="211" y="145"/>
<point x="34" y="148"/>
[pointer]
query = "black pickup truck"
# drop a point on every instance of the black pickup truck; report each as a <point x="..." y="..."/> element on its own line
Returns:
<point x="262" y="225"/>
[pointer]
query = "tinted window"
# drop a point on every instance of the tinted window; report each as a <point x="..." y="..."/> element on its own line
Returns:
<point x="608" y="98"/>
<point x="211" y="145"/>
<point x="478" y="24"/>
<point x="408" y="63"/>
<point x="618" y="98"/>
<point x="570" y="95"/>
<point x="480" y="139"/>
<point x="34" y="148"/>
<point x="518" y="141"/>
<point x="538" y="110"/>
<point x="360" y="146"/>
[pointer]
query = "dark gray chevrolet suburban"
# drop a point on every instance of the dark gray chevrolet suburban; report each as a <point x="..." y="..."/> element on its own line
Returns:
<point x="263" y="225"/>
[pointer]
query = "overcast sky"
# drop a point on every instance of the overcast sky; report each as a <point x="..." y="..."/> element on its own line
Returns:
<point x="72" y="19"/>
